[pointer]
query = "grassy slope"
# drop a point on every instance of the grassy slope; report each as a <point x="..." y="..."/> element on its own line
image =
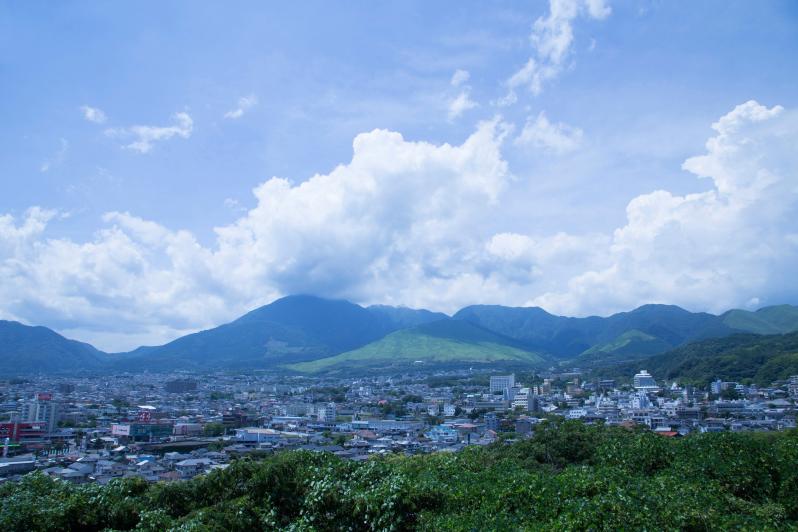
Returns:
<point x="777" y="319"/>
<point x="624" y="341"/>
<point x="630" y="345"/>
<point x="443" y="342"/>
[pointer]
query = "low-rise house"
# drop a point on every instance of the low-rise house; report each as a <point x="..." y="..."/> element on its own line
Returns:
<point x="193" y="466"/>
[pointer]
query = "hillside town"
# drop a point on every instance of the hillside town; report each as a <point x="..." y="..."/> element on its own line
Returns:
<point x="176" y="426"/>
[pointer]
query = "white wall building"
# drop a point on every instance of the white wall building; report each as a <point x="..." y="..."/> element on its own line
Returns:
<point x="327" y="413"/>
<point x="644" y="382"/>
<point x="502" y="383"/>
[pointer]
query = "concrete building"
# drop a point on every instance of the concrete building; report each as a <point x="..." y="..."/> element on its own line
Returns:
<point x="327" y="413"/>
<point x="644" y="382"/>
<point x="502" y="383"/>
<point x="42" y="409"/>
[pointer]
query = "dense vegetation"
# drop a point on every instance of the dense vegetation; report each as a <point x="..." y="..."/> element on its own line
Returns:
<point x="568" y="476"/>
<point x="739" y="358"/>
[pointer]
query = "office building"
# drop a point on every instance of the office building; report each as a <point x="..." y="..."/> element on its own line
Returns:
<point x="502" y="383"/>
<point x="42" y="409"/>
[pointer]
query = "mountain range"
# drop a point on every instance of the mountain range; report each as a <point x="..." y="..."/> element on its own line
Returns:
<point x="313" y="335"/>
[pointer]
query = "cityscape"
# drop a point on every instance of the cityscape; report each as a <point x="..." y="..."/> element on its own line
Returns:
<point x="172" y="427"/>
<point x="357" y="266"/>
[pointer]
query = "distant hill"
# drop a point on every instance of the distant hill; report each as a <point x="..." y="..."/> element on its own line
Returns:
<point x="403" y="317"/>
<point x="291" y="329"/>
<point x="777" y="319"/>
<point x="759" y="359"/>
<point x="444" y="342"/>
<point x="304" y="328"/>
<point x="25" y="349"/>
<point x="656" y="328"/>
<point x="631" y="344"/>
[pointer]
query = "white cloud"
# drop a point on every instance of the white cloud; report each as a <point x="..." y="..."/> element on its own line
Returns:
<point x="146" y="136"/>
<point x="244" y="104"/>
<point x="709" y="250"/>
<point x="375" y="228"/>
<point x="460" y="104"/>
<point x="57" y="158"/>
<point x="407" y="222"/>
<point x="93" y="114"/>
<point x="540" y="133"/>
<point x="551" y="38"/>
<point x="459" y="77"/>
<point x="234" y="205"/>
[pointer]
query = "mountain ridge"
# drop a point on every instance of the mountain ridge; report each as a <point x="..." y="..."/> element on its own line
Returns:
<point x="304" y="328"/>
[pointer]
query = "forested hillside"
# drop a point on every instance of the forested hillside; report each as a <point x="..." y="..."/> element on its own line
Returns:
<point x="569" y="476"/>
<point x="739" y="358"/>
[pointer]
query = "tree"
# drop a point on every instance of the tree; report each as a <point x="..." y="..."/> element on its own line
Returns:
<point x="213" y="429"/>
<point x="729" y="394"/>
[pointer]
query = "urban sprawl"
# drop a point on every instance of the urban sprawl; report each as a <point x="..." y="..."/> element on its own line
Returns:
<point x="174" y="427"/>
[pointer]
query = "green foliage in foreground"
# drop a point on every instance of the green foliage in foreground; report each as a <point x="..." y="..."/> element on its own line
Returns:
<point x="569" y="476"/>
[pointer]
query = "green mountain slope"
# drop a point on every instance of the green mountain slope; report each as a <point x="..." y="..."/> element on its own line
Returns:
<point x="25" y="349"/>
<point x="291" y="329"/>
<point x="632" y="344"/>
<point x="440" y="342"/>
<point x="778" y="319"/>
<point x="667" y="325"/>
<point x="742" y="357"/>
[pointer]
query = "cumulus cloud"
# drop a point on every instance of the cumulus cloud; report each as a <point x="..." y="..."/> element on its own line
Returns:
<point x="93" y="114"/>
<point x="551" y="38"/>
<point x="713" y="250"/>
<point x="244" y="104"/>
<point x="376" y="228"/>
<point x="558" y="137"/>
<point x="146" y="136"/>
<point x="408" y="222"/>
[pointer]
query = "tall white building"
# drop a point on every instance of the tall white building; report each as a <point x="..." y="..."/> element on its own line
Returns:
<point x="521" y="398"/>
<point x="42" y="409"/>
<point x="502" y="383"/>
<point x="644" y="382"/>
<point x="327" y="413"/>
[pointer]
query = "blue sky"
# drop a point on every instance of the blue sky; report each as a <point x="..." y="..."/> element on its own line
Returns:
<point x="133" y="136"/>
